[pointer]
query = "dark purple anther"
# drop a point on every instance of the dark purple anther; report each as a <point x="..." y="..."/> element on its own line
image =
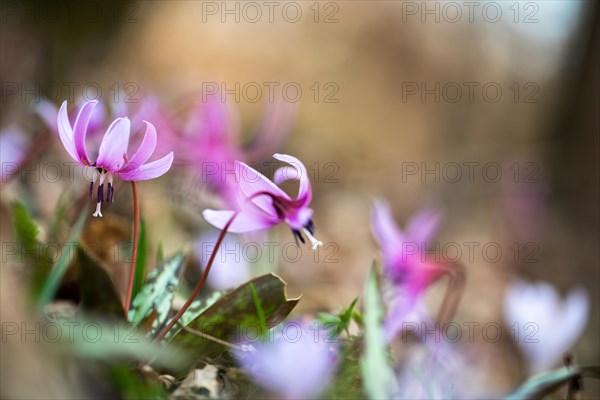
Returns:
<point x="100" y="197"/>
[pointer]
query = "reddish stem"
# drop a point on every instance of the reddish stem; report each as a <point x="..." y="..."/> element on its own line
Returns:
<point x="200" y="283"/>
<point x="136" y="228"/>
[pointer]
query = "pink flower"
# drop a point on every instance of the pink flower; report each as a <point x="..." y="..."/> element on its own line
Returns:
<point x="112" y="155"/>
<point x="262" y="204"/>
<point x="211" y="143"/>
<point x="405" y="264"/>
<point x="296" y="361"/>
<point x="13" y="146"/>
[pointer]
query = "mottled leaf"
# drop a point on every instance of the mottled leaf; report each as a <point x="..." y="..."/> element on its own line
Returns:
<point x="155" y="299"/>
<point x="196" y="308"/>
<point x="234" y="315"/>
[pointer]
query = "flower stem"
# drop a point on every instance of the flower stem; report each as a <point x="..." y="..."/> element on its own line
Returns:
<point x="136" y="231"/>
<point x="200" y="283"/>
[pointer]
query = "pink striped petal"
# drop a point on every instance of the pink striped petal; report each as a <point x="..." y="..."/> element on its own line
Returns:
<point x="144" y="151"/>
<point x="114" y="145"/>
<point x="251" y="182"/>
<point x="386" y="231"/>
<point x="80" y="130"/>
<point x="241" y="224"/>
<point x="47" y="112"/>
<point x="148" y="171"/>
<point x="423" y="226"/>
<point x="65" y="132"/>
<point x="304" y="191"/>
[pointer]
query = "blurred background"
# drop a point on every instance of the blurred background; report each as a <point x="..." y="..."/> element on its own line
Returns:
<point x="487" y="112"/>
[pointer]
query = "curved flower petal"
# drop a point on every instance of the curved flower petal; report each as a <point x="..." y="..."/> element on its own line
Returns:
<point x="386" y="232"/>
<point x="65" y="131"/>
<point x="241" y="224"/>
<point x="144" y="151"/>
<point x="423" y="226"/>
<point x="251" y="182"/>
<point x="47" y="112"/>
<point x="80" y="130"/>
<point x="304" y="191"/>
<point x="148" y="171"/>
<point x="114" y="145"/>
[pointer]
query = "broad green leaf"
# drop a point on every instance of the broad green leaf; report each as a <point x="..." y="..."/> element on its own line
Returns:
<point x="60" y="267"/>
<point x="98" y="293"/>
<point x="234" y="315"/>
<point x="542" y="385"/>
<point x="156" y="296"/>
<point x="31" y="252"/>
<point x="26" y="230"/>
<point x="111" y="342"/>
<point x="378" y="376"/>
<point x="140" y="264"/>
<point x="196" y="308"/>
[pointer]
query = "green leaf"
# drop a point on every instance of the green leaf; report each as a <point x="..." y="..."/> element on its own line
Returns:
<point x="140" y="263"/>
<point x="542" y="385"/>
<point x="26" y="230"/>
<point x="378" y="376"/>
<point x="196" y="308"/>
<point x="112" y="342"/>
<point x="156" y="296"/>
<point x="98" y="293"/>
<point x="341" y="321"/>
<point x="60" y="267"/>
<point x="234" y="315"/>
<point x="160" y="253"/>
<point x="259" y="310"/>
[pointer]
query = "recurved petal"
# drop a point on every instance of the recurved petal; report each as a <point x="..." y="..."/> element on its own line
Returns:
<point x="241" y="224"/>
<point x="80" y="130"/>
<point x="148" y="171"/>
<point x="423" y="226"/>
<point x="114" y="145"/>
<point x="251" y="183"/>
<point x="47" y="112"/>
<point x="144" y="151"/>
<point x="384" y="227"/>
<point x="304" y="191"/>
<point x="65" y="131"/>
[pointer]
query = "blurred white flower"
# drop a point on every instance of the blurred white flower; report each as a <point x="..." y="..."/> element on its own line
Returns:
<point x="13" y="145"/>
<point x="547" y="326"/>
<point x="230" y="266"/>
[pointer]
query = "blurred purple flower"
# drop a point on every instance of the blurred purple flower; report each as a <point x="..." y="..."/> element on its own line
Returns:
<point x="405" y="264"/>
<point x="230" y="268"/>
<point x="112" y="154"/>
<point x="548" y="326"/>
<point x="262" y="204"/>
<point x="210" y="142"/>
<point x="13" y="146"/>
<point x="296" y="361"/>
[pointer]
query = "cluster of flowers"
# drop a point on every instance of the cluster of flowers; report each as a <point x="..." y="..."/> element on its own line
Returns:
<point x="259" y="203"/>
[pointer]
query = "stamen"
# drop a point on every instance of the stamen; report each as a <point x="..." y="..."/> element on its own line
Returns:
<point x="92" y="183"/>
<point x="100" y="196"/>
<point x="110" y="196"/>
<point x="98" y="212"/>
<point x="315" y="243"/>
<point x="298" y="235"/>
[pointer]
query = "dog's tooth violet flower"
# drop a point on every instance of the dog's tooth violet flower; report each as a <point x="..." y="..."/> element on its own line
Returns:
<point x="295" y="362"/>
<point x="112" y="158"/>
<point x="263" y="204"/>
<point x="405" y="264"/>
<point x="548" y="325"/>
